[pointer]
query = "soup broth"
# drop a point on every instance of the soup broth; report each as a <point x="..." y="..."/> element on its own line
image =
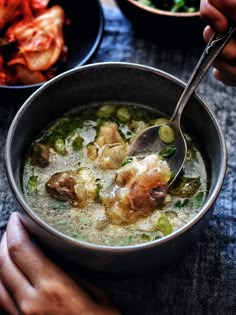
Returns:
<point x="78" y="179"/>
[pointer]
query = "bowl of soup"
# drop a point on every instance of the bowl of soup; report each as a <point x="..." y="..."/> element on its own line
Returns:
<point x="170" y="23"/>
<point x="79" y="193"/>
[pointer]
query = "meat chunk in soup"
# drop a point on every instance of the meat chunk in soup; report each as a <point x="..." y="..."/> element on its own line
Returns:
<point x="109" y="134"/>
<point x="158" y="194"/>
<point x="76" y="187"/>
<point x="40" y="154"/>
<point x="141" y="186"/>
<point x="112" y="156"/>
<point x="109" y="148"/>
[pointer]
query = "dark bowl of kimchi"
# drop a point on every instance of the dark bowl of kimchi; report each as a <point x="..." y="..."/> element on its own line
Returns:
<point x="61" y="35"/>
<point x="106" y="83"/>
<point x="167" y="22"/>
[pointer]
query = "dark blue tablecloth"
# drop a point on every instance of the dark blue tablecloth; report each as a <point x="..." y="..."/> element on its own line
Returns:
<point x="203" y="281"/>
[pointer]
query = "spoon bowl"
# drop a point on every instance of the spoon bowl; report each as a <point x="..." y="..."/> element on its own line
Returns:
<point x="149" y="142"/>
<point x="167" y="139"/>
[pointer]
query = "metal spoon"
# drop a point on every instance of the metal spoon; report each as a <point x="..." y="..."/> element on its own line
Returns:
<point x="149" y="142"/>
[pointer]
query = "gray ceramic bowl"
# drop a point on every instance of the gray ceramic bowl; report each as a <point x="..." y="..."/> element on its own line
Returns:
<point x="123" y="82"/>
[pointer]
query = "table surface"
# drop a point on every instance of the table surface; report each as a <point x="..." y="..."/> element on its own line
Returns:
<point x="203" y="281"/>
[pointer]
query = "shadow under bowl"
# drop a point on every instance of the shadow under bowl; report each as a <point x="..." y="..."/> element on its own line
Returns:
<point x="114" y="82"/>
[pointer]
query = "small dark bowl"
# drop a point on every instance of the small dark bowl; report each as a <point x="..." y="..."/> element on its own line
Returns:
<point x="102" y="83"/>
<point x="168" y="28"/>
<point x="82" y="37"/>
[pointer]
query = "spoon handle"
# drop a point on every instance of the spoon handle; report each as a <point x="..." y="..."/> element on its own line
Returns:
<point x="213" y="48"/>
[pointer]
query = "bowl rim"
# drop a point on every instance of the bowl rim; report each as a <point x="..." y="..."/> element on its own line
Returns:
<point x="108" y="248"/>
<point x="86" y="58"/>
<point x="163" y="12"/>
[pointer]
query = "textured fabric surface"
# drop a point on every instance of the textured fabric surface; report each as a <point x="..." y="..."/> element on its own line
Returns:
<point x="203" y="281"/>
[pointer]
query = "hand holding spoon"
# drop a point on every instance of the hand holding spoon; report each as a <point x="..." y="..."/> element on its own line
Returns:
<point x="169" y="135"/>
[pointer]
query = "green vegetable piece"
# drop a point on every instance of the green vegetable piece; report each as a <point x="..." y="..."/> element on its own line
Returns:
<point x="150" y="237"/>
<point x="178" y="204"/>
<point x="78" y="143"/>
<point x="97" y="190"/>
<point x="123" y="114"/>
<point x="185" y="187"/>
<point x="191" y="10"/>
<point x="130" y="238"/>
<point x="146" y="2"/>
<point x="178" y="5"/>
<point x="155" y="237"/>
<point x="145" y="237"/>
<point x="127" y="161"/>
<point x="125" y="132"/>
<point x="33" y="183"/>
<point x="59" y="146"/>
<point x="185" y="202"/>
<point x="173" y="5"/>
<point x="140" y="114"/>
<point x="198" y="200"/>
<point x="62" y="129"/>
<point x="106" y="111"/>
<point x="166" y="134"/>
<point x="182" y="203"/>
<point x="164" y="225"/>
<point x="167" y="151"/>
<point x="159" y="121"/>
